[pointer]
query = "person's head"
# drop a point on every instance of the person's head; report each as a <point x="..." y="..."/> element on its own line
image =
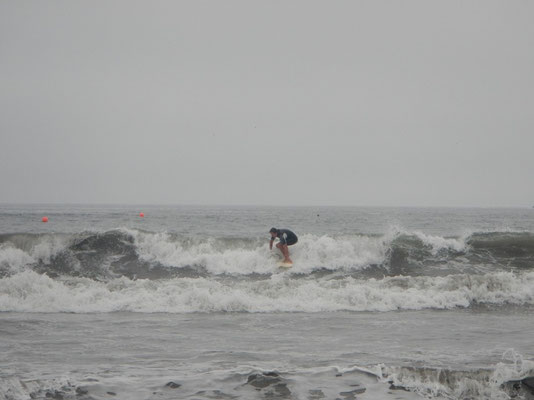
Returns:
<point x="273" y="232"/>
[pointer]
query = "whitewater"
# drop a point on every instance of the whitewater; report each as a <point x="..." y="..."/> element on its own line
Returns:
<point x="188" y="302"/>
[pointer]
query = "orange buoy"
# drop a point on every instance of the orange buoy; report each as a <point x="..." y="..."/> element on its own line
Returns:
<point x="141" y="215"/>
<point x="44" y="219"/>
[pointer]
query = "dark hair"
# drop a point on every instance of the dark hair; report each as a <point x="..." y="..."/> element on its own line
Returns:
<point x="273" y="230"/>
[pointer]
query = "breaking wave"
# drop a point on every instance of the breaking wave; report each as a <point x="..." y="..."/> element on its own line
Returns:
<point x="32" y="292"/>
<point x="140" y="271"/>
<point x="511" y="378"/>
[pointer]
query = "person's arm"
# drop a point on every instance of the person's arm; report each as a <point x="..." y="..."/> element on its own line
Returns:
<point x="271" y="243"/>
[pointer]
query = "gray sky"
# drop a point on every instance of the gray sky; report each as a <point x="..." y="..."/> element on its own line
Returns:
<point x="409" y="103"/>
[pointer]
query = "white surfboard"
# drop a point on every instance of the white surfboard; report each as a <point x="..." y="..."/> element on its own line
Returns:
<point x="285" y="265"/>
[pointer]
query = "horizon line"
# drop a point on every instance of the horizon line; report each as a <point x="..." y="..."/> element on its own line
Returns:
<point x="169" y="204"/>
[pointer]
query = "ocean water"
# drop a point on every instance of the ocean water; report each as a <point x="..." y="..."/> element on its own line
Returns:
<point x="188" y="303"/>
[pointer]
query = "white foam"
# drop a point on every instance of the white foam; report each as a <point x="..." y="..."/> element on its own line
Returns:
<point x="436" y="243"/>
<point x="513" y="368"/>
<point x="30" y="292"/>
<point x="163" y="249"/>
<point x="479" y="384"/>
<point x="48" y="246"/>
<point x="13" y="259"/>
<point x="16" y="257"/>
<point x="311" y="252"/>
<point x="13" y="388"/>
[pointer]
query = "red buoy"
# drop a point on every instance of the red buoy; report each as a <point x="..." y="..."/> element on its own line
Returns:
<point x="45" y="219"/>
<point x="141" y="215"/>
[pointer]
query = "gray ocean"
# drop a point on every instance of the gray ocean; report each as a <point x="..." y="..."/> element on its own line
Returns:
<point x="188" y="302"/>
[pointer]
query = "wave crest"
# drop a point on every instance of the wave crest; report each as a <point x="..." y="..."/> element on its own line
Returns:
<point x="141" y="254"/>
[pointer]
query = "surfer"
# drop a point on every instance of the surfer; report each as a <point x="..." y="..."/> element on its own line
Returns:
<point x="287" y="238"/>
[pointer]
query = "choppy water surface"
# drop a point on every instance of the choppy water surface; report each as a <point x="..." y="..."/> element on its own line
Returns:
<point x="188" y="302"/>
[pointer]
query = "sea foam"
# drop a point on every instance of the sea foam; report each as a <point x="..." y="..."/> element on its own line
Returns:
<point x="31" y="292"/>
<point x="496" y="383"/>
<point x="218" y="257"/>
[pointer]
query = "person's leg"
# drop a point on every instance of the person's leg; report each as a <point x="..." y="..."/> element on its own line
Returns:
<point x="285" y="252"/>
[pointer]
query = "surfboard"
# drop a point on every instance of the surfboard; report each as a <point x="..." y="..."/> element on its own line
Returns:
<point x="285" y="265"/>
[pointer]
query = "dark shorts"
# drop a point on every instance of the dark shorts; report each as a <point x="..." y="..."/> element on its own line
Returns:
<point x="292" y="242"/>
<point x="289" y="240"/>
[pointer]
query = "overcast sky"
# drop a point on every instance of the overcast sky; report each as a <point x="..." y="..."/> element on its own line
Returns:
<point x="397" y="103"/>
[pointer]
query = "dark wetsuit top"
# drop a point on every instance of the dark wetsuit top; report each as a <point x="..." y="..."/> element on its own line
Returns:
<point x="286" y="236"/>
